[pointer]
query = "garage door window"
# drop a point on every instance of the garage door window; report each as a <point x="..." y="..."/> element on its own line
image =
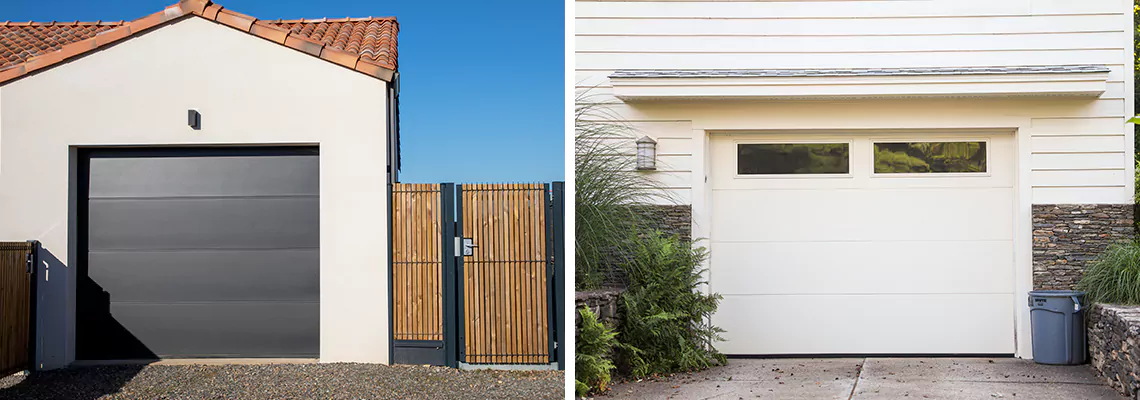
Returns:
<point x="793" y="158"/>
<point x="930" y="157"/>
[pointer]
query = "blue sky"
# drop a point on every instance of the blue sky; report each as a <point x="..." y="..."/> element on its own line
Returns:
<point x="482" y="97"/>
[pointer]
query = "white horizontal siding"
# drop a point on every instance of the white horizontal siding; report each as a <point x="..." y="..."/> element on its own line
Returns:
<point x="1078" y="148"/>
<point x="838" y="9"/>
<point x="846" y="44"/>
<point x="849" y="26"/>
<point x="1076" y="161"/>
<point x="1078" y="144"/>
<point x="846" y="60"/>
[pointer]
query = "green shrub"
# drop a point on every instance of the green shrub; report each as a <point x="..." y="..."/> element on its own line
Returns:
<point x="592" y="351"/>
<point x="665" y="324"/>
<point x="1114" y="277"/>
<point x="607" y="189"/>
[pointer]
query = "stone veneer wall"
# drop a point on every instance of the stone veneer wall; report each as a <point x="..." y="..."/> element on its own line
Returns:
<point x="1114" y="334"/>
<point x="604" y="304"/>
<point x="669" y="219"/>
<point x="1068" y="236"/>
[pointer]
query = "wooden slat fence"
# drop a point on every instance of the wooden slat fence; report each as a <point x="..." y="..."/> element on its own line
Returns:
<point x="15" y="306"/>
<point x="417" y="263"/>
<point x="505" y="303"/>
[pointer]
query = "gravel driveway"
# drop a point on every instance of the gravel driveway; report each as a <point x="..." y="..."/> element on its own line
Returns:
<point x="281" y="381"/>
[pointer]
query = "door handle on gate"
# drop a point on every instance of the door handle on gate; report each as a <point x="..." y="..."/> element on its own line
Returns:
<point x="469" y="246"/>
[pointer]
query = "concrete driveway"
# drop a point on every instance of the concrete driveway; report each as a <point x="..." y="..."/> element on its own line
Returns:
<point x="876" y="378"/>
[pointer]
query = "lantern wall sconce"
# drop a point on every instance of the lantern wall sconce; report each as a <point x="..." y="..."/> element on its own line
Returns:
<point x="646" y="154"/>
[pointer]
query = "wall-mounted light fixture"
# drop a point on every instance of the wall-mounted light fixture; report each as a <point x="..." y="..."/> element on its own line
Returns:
<point x="194" y="119"/>
<point x="646" y="154"/>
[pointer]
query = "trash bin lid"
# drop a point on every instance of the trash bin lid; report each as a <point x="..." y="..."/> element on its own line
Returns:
<point x="1056" y="293"/>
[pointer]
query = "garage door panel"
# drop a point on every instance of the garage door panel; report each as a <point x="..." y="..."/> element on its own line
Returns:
<point x="224" y="329"/>
<point x="210" y="223"/>
<point x="843" y="267"/>
<point x="241" y="275"/>
<point x="208" y="252"/>
<point x="832" y="215"/>
<point x="204" y="176"/>
<point x="868" y="324"/>
<point x="864" y="263"/>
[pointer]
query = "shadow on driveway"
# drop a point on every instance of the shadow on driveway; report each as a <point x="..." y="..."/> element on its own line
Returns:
<point x="73" y="383"/>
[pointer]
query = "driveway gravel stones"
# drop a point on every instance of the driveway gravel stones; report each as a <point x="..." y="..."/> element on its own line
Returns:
<point x="282" y="381"/>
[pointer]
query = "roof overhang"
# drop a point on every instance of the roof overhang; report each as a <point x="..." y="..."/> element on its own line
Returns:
<point x="1060" y="80"/>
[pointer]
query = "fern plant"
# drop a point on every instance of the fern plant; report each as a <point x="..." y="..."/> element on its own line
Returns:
<point x="1114" y="277"/>
<point x="665" y="325"/>
<point x="592" y="351"/>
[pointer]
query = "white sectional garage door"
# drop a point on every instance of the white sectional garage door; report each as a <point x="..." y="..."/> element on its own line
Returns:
<point x="863" y="243"/>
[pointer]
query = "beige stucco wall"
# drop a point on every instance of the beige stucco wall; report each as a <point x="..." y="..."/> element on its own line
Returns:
<point x="249" y="91"/>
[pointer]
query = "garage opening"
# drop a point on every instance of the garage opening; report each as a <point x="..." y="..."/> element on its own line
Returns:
<point x="198" y="252"/>
<point x="863" y="243"/>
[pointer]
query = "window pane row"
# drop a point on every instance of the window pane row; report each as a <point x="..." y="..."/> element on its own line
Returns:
<point x="835" y="158"/>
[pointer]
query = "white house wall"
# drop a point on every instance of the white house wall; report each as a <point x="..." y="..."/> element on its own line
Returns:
<point x="1078" y="147"/>
<point x="249" y="91"/>
<point x="1069" y="150"/>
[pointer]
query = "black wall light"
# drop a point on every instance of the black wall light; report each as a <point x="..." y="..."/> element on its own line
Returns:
<point x="194" y="119"/>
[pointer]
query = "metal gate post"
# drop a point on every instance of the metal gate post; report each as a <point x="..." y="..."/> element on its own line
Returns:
<point x="33" y="315"/>
<point x="461" y="348"/>
<point x="447" y="222"/>
<point x="551" y="310"/>
<point x="559" y="196"/>
<point x="390" y="267"/>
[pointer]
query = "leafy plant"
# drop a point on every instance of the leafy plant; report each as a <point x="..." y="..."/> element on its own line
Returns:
<point x="607" y="190"/>
<point x="592" y="351"/>
<point x="1114" y="277"/>
<point x="666" y="324"/>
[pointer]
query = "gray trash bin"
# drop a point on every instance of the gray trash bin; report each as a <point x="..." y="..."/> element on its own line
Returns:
<point x="1058" y="319"/>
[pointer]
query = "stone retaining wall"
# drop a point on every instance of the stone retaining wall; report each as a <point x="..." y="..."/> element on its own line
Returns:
<point x="1068" y="236"/>
<point x="604" y="304"/>
<point x="1114" y="333"/>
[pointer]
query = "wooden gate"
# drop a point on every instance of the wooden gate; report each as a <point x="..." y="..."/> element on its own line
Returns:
<point x="505" y="274"/>
<point x="473" y="272"/>
<point x="17" y="262"/>
<point x="421" y="218"/>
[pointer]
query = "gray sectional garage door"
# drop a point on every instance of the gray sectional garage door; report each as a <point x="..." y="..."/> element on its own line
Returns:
<point x="199" y="253"/>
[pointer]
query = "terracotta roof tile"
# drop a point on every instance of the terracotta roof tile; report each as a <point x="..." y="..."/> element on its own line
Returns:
<point x="239" y="21"/>
<point x="21" y="41"/>
<point x="374" y="39"/>
<point x="367" y="45"/>
<point x="269" y="32"/>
